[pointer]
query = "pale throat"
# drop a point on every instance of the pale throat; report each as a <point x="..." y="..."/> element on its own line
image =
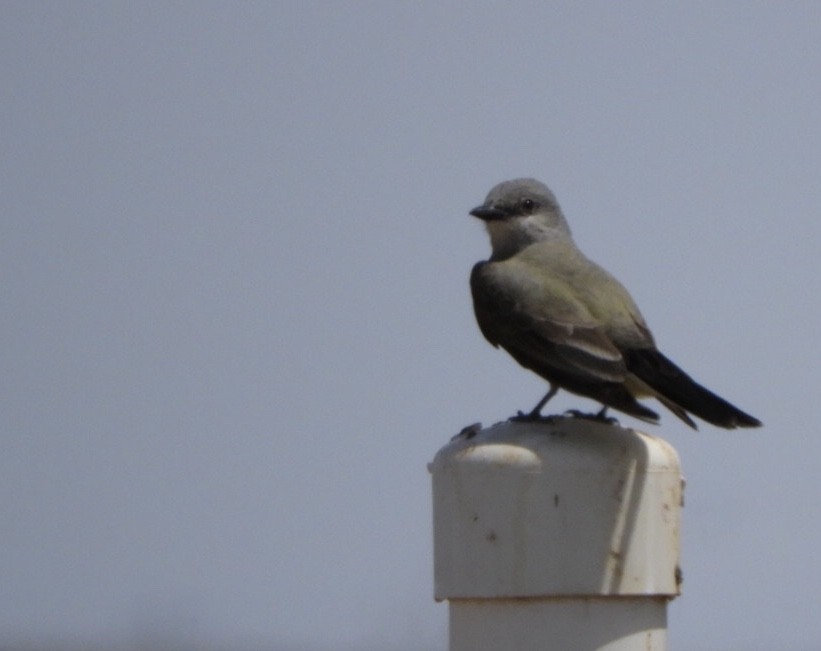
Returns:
<point x="509" y="237"/>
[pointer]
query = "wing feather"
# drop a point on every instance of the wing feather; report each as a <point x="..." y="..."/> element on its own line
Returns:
<point x="546" y="334"/>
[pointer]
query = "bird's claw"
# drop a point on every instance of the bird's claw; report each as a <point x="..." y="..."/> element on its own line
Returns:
<point x="599" y="416"/>
<point x="532" y="417"/>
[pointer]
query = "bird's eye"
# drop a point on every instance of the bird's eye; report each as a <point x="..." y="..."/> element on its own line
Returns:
<point x="527" y="205"/>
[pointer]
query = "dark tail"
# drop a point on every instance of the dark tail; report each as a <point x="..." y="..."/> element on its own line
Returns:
<point x="682" y="391"/>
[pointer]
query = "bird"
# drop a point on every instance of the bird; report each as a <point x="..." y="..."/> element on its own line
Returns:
<point x="562" y="316"/>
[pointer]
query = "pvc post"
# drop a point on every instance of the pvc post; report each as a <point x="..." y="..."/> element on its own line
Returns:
<point x="559" y="536"/>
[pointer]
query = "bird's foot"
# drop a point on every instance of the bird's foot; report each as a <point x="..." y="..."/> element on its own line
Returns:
<point x="531" y="417"/>
<point x="600" y="416"/>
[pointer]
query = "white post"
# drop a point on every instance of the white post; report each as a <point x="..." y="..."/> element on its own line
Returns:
<point x="559" y="536"/>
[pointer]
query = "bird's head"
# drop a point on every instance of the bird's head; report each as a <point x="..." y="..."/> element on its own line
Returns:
<point x="519" y="213"/>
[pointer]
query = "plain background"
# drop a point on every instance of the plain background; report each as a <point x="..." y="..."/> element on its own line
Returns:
<point x="236" y="323"/>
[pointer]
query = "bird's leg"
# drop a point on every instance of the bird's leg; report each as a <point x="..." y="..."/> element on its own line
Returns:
<point x="537" y="410"/>
<point x="535" y="413"/>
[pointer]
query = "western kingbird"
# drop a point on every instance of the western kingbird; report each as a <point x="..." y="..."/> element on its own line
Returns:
<point x="568" y="320"/>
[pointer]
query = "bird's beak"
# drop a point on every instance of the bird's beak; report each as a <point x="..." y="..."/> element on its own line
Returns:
<point x="488" y="213"/>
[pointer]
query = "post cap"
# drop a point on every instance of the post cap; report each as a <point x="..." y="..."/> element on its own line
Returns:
<point x="570" y="507"/>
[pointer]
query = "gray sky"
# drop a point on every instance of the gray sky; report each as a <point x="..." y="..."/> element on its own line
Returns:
<point x="236" y="323"/>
